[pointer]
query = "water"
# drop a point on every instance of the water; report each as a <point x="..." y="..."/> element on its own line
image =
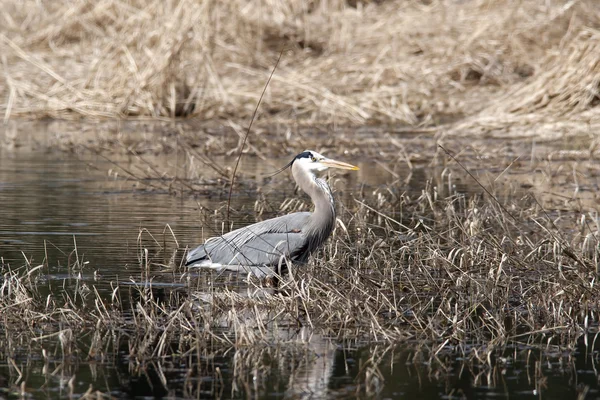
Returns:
<point x="54" y="203"/>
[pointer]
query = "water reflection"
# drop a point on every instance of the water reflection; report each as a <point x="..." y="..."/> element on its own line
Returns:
<point x="306" y="357"/>
<point x="304" y="364"/>
<point x="311" y="378"/>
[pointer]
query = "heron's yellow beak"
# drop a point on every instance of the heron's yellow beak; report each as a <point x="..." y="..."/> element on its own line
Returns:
<point x="338" y="164"/>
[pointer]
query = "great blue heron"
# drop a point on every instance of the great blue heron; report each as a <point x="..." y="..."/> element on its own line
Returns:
<point x="293" y="237"/>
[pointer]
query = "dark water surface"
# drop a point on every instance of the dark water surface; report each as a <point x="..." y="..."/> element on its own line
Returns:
<point x="54" y="203"/>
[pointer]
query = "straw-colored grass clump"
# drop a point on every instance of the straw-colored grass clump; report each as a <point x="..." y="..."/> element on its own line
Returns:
<point x="436" y="271"/>
<point x="347" y="62"/>
<point x="562" y="96"/>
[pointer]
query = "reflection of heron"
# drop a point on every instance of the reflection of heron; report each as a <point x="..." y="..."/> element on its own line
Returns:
<point x="310" y="378"/>
<point x="305" y="357"/>
<point x="294" y="236"/>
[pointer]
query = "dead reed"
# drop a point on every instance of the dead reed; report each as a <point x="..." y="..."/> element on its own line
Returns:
<point x="446" y="272"/>
<point x="561" y="99"/>
<point x="438" y="269"/>
<point x="345" y="62"/>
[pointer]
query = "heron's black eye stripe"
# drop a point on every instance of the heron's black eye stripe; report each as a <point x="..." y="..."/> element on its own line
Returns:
<point x="306" y="154"/>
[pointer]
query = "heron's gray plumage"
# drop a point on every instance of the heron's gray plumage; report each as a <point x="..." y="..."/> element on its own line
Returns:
<point x="292" y="237"/>
<point x="262" y="243"/>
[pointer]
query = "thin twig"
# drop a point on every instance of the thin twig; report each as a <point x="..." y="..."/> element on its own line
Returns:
<point x="237" y="163"/>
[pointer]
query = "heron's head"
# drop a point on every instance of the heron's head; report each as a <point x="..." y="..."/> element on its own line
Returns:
<point x="312" y="161"/>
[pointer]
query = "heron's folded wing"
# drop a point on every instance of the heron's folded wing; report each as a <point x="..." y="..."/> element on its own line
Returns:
<point x="263" y="243"/>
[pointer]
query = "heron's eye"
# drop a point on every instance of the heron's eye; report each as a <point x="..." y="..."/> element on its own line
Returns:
<point x="313" y="159"/>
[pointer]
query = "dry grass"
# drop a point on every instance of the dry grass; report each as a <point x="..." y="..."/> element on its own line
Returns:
<point x="446" y="274"/>
<point x="437" y="270"/>
<point x="563" y="96"/>
<point x="407" y="62"/>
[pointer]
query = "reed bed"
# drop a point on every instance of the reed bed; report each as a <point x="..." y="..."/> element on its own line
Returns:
<point x="343" y="62"/>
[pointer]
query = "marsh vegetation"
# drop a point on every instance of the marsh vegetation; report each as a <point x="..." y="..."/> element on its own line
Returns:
<point x="427" y="268"/>
<point x="465" y="257"/>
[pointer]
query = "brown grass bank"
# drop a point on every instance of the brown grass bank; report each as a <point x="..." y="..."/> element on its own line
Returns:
<point x="500" y="62"/>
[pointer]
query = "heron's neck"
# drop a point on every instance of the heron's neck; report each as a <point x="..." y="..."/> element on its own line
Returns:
<point x="321" y="195"/>
<point x="322" y="220"/>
